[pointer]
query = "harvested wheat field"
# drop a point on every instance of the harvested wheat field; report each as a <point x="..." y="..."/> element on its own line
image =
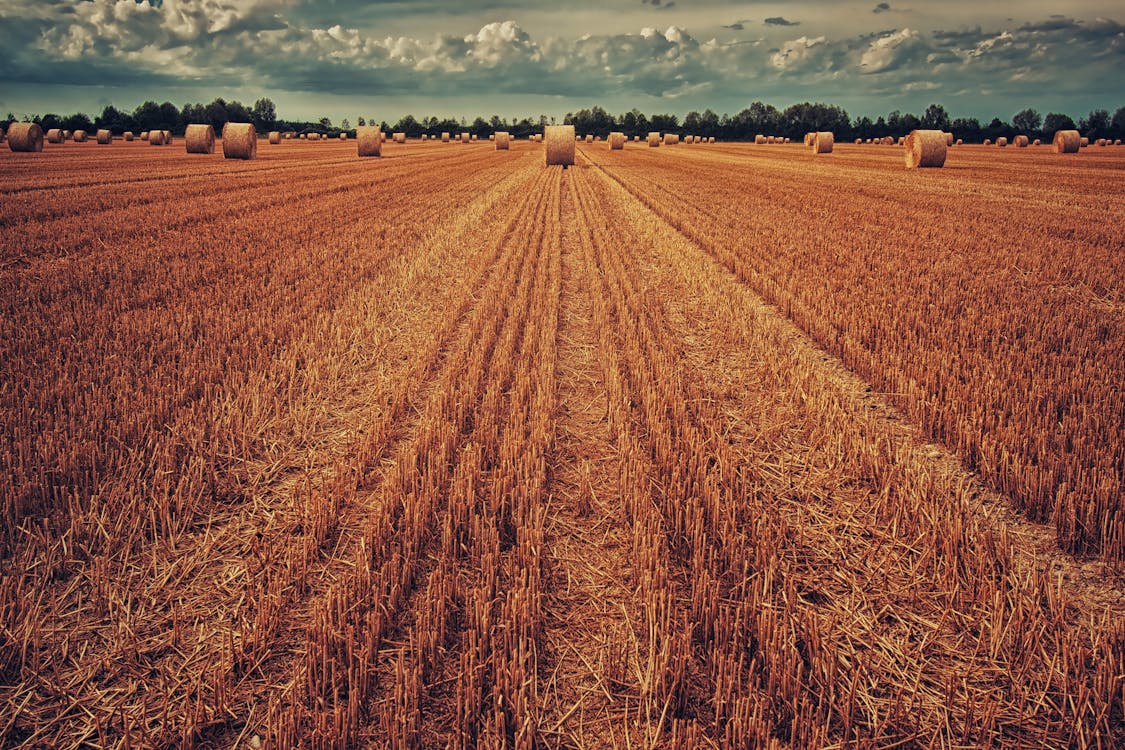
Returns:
<point x="829" y="456"/>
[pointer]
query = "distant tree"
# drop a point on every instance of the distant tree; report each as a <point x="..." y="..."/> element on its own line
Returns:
<point x="1027" y="122"/>
<point x="325" y="123"/>
<point x="966" y="128"/>
<point x="709" y="124"/>
<point x="345" y="124"/>
<point x="1117" y="124"/>
<point x="360" y="122"/>
<point x="935" y="118"/>
<point x="110" y="119"/>
<point x="49" y="121"/>
<point x="692" y="122"/>
<point x="264" y="114"/>
<point x="863" y="128"/>
<point x="1054" y="122"/>
<point x="1095" y="124"/>
<point x="147" y="116"/>
<point x="77" y="121"/>
<point x="998" y="129"/>
<point x="880" y="129"/>
<point x="237" y="112"/>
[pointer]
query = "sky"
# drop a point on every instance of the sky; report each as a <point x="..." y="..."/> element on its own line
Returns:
<point x="388" y="58"/>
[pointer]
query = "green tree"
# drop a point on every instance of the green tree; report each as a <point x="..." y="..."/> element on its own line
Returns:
<point x="1054" y="122"/>
<point x="1027" y="122"/>
<point x="935" y="118"/>
<point x="1095" y="124"/>
<point x="264" y="114"/>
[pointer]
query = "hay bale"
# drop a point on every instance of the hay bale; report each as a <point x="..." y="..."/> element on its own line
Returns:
<point x="240" y="141"/>
<point x="671" y="139"/>
<point x="156" y="137"/>
<point x="275" y="137"/>
<point x="66" y="135"/>
<point x="538" y="137"/>
<point x="1084" y="142"/>
<point x="127" y="135"/>
<point x="1037" y="142"/>
<point x="858" y="141"/>
<point x="167" y="137"/>
<point x="589" y="139"/>
<point x="79" y="136"/>
<point x="759" y="139"/>
<point x="104" y="137"/>
<point x="560" y="145"/>
<point x="400" y="137"/>
<point x="1100" y="142"/>
<point x="367" y="141"/>
<point x="502" y="140"/>
<point x="785" y="140"/>
<point x="466" y="138"/>
<point x="25" y="137"/>
<point x="711" y="139"/>
<point x="200" y="139"/>
<point x="1001" y="141"/>
<point x="925" y="148"/>
<point x="988" y="141"/>
<point x="1117" y="142"/>
<point x="867" y="142"/>
<point x="949" y="139"/>
<point x="55" y="135"/>
<point x="1067" y="141"/>
<point x="823" y="142"/>
<point x="636" y="139"/>
<point x="809" y="137"/>
<point x="616" y="141"/>
<point x="960" y="142"/>
<point x="653" y="140"/>
<point x="902" y="140"/>
<point x="445" y="137"/>
<point x="1021" y="141"/>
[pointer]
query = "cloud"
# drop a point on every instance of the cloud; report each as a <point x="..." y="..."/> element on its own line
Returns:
<point x="881" y="8"/>
<point x="659" y="4"/>
<point x="737" y="25"/>
<point x="891" y="51"/>
<point x="779" y="21"/>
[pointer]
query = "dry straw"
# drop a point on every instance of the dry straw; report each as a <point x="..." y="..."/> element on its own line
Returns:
<point x="949" y="139"/>
<point x="925" y="148"/>
<point x="589" y="139"/>
<point x="465" y="138"/>
<point x="367" y="141"/>
<point x="55" y="135"/>
<point x="144" y="135"/>
<point x="1021" y="141"/>
<point x="156" y="137"/>
<point x="400" y="137"/>
<point x="759" y="139"/>
<point x="104" y="137"/>
<point x="823" y="142"/>
<point x="200" y="139"/>
<point x="988" y="141"/>
<point x="710" y="139"/>
<point x="1001" y="141"/>
<point x="1084" y="142"/>
<point x="809" y="138"/>
<point x="127" y="135"/>
<point x="1100" y="141"/>
<point x="636" y="139"/>
<point x="502" y="140"/>
<point x="313" y="137"/>
<point x="26" y="137"/>
<point x="167" y="136"/>
<point x="653" y="140"/>
<point x="275" y="137"/>
<point x="616" y="141"/>
<point x="1067" y="141"/>
<point x="79" y="136"/>
<point x="240" y="141"/>
<point x="560" y="145"/>
<point x="960" y="142"/>
<point x="1037" y="142"/>
<point x="671" y="139"/>
<point x="445" y="137"/>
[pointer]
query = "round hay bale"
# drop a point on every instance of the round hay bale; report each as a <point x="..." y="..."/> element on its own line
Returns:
<point x="492" y="136"/>
<point x="25" y="137"/>
<point x="960" y="142"/>
<point x="55" y="135"/>
<point x="654" y="140"/>
<point x="240" y="141"/>
<point x="949" y="139"/>
<point x="560" y="145"/>
<point x="128" y="135"/>
<point x="925" y="148"/>
<point x="1037" y="142"/>
<point x="671" y="139"/>
<point x="867" y="142"/>
<point x="1100" y="142"/>
<point x="616" y="141"/>
<point x="538" y="137"/>
<point x="104" y="137"/>
<point x="1067" y="141"/>
<point x="711" y="139"/>
<point x="823" y="142"/>
<point x="156" y="137"/>
<point x="502" y="139"/>
<point x="636" y="139"/>
<point x="200" y="139"/>
<point x="589" y="139"/>
<point x="343" y="136"/>
<point x="1001" y="141"/>
<point x="858" y="141"/>
<point x="1116" y="141"/>
<point x="809" y="138"/>
<point x="400" y="137"/>
<point x="466" y="138"/>
<point x="988" y="141"/>
<point x="79" y="136"/>
<point x="167" y="137"/>
<point x="785" y="140"/>
<point x="275" y="137"/>
<point x="313" y="136"/>
<point x="902" y="140"/>
<point x="367" y="141"/>
<point x="1021" y="141"/>
<point x="66" y="135"/>
<point x="445" y="137"/>
<point x="759" y="139"/>
<point x="1084" y="142"/>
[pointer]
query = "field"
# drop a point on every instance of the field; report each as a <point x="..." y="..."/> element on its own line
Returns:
<point x="699" y="446"/>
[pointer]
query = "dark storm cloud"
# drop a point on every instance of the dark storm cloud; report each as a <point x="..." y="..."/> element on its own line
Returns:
<point x="659" y="4"/>
<point x="736" y="26"/>
<point x="779" y="21"/>
<point x="881" y="8"/>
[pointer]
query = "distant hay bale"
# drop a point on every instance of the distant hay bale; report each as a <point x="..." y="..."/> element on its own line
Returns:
<point x="653" y="140"/>
<point x="367" y="141"/>
<point x="988" y="141"/>
<point x="400" y="137"/>
<point x="698" y="139"/>
<point x="785" y="140"/>
<point x="466" y="138"/>
<point x="889" y="140"/>
<point x="949" y="139"/>
<point x="538" y="137"/>
<point x="240" y="141"/>
<point x="1001" y="141"/>
<point x="492" y="136"/>
<point x="55" y="135"/>
<point x="1084" y="142"/>
<point x="925" y="148"/>
<point x="616" y="141"/>
<point x="589" y="138"/>
<point x="1037" y="142"/>
<point x="867" y="142"/>
<point x="1021" y="141"/>
<point x="275" y="137"/>
<point x="636" y="139"/>
<point x="473" y="137"/>
<point x="710" y="139"/>
<point x="671" y="139"/>
<point x="167" y="137"/>
<point x="560" y="145"/>
<point x="79" y="136"/>
<point x="156" y="137"/>
<point x="445" y="137"/>
<point x="902" y="140"/>
<point x="823" y="142"/>
<point x="25" y="137"/>
<point x="960" y="142"/>
<point x="312" y="137"/>
<point x="809" y="137"/>
<point x="127" y="135"/>
<point x="858" y="141"/>
<point x="104" y="137"/>
<point x="66" y="135"/>
<point x="1067" y="141"/>
<point x="1117" y="142"/>
<point x="503" y="139"/>
<point x="200" y="139"/>
<point x="1100" y="142"/>
<point x="760" y="139"/>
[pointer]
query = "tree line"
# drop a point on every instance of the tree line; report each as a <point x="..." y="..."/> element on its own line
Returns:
<point x="759" y="118"/>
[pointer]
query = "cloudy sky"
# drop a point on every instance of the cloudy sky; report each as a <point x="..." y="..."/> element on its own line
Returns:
<point x="343" y="58"/>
